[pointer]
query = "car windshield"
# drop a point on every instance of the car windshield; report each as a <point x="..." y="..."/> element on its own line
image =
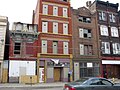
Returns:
<point x="96" y="81"/>
<point x="81" y="80"/>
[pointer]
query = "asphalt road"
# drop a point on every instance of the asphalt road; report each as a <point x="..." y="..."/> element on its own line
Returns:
<point x="29" y="88"/>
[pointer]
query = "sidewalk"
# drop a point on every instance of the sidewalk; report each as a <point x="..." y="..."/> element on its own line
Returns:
<point x="40" y="85"/>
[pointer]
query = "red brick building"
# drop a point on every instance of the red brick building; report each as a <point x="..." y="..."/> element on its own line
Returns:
<point x="23" y="51"/>
<point x="55" y="40"/>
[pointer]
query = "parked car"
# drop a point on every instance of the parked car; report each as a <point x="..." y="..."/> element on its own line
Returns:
<point x="95" y="83"/>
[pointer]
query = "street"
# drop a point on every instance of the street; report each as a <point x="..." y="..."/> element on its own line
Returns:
<point x="30" y="88"/>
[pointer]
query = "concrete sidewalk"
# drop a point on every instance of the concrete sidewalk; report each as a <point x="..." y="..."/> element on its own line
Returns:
<point x="40" y="85"/>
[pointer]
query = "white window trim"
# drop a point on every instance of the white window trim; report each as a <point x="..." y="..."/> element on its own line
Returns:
<point x="65" y="48"/>
<point x="65" y="29"/>
<point x="81" y="33"/>
<point x="81" y="49"/>
<point x="45" y="28"/>
<point x="44" y="46"/>
<point x="45" y="9"/>
<point x="116" y="48"/>
<point x="65" y="12"/>
<point x="114" y="32"/>
<point x="55" y="11"/>
<point x="55" y="27"/>
<point x="104" y="30"/>
<point x="106" y="48"/>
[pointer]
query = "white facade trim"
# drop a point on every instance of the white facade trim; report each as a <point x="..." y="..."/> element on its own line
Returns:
<point x="110" y="62"/>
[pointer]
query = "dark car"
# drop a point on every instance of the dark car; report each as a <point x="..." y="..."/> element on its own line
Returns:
<point x="92" y="84"/>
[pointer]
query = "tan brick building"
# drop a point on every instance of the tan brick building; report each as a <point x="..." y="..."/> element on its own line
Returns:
<point x="86" y="62"/>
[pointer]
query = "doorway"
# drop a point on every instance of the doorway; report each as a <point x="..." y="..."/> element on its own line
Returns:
<point x="57" y="74"/>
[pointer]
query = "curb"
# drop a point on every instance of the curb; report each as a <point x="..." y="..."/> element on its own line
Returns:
<point x="44" y="85"/>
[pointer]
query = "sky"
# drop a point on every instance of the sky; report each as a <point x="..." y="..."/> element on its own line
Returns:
<point x="21" y="10"/>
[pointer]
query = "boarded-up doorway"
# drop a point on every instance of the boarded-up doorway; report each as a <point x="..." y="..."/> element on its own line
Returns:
<point x="57" y="73"/>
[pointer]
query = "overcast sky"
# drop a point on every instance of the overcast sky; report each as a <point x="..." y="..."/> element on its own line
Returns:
<point x="21" y="10"/>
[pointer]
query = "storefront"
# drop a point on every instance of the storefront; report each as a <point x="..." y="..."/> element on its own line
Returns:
<point x="111" y="68"/>
<point x="86" y="68"/>
<point x="54" y="68"/>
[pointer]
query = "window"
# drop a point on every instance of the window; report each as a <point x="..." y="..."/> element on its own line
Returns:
<point x="104" y="30"/>
<point x="55" y="27"/>
<point x="105" y="48"/>
<point x="102" y="16"/>
<point x="65" y="29"/>
<point x="112" y="18"/>
<point x="55" y="47"/>
<point x="55" y="11"/>
<point x="45" y="9"/>
<point x="84" y="19"/>
<point x="31" y="28"/>
<point x="17" y="48"/>
<point x="116" y="48"/>
<point x="85" y="33"/>
<point x="65" y="12"/>
<point x="86" y="49"/>
<point x="19" y="27"/>
<point x="65" y="47"/>
<point x="114" y="32"/>
<point x="44" y="27"/>
<point x="86" y="71"/>
<point x="105" y="82"/>
<point x="44" y="46"/>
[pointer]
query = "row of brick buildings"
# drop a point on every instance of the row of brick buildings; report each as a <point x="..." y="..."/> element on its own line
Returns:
<point x="62" y="42"/>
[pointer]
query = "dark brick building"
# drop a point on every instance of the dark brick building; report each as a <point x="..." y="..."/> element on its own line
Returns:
<point x="109" y="37"/>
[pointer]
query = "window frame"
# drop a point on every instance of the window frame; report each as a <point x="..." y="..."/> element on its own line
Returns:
<point x="116" y="48"/>
<point x="55" y="11"/>
<point x="65" y="12"/>
<point x="105" y="47"/>
<point x="104" y="30"/>
<point x="17" y="48"/>
<point x="114" y="32"/>
<point x="44" y="46"/>
<point x="44" y="27"/>
<point x="45" y="9"/>
<point x="55" y="27"/>
<point x="102" y="16"/>
<point x="65" y="28"/>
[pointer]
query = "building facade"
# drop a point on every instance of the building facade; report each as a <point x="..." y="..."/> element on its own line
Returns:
<point x="86" y="61"/>
<point x="23" y="51"/>
<point x="4" y="46"/>
<point x="109" y="37"/>
<point x="55" y="40"/>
